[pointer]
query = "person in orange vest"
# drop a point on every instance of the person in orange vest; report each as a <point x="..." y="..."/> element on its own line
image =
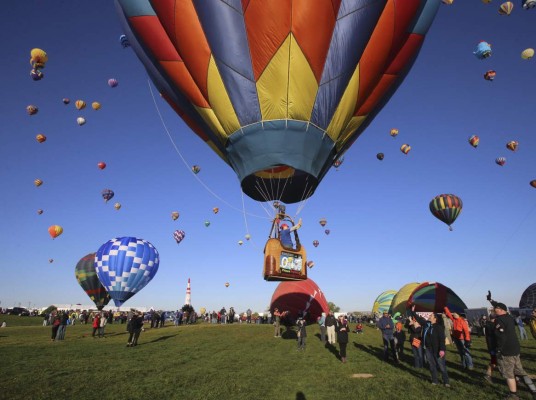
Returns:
<point x="461" y="337"/>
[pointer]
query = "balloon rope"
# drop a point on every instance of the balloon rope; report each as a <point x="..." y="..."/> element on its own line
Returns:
<point x="246" y="222"/>
<point x="505" y="243"/>
<point x="186" y="163"/>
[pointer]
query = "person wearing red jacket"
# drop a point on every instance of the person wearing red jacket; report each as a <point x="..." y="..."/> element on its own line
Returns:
<point x="96" y="324"/>
<point x="461" y="337"/>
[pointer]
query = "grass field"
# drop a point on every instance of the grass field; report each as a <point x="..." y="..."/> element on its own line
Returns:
<point x="237" y="361"/>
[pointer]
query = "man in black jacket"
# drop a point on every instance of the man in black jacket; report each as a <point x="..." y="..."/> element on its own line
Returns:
<point x="508" y="350"/>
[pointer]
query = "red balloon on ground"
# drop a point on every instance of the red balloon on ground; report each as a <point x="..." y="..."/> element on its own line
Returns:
<point x="299" y="298"/>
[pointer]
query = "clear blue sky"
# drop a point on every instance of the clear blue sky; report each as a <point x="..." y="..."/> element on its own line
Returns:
<point x="382" y="233"/>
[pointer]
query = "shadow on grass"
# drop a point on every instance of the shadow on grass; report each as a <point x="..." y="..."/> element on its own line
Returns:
<point x="300" y="396"/>
<point x="289" y="334"/>
<point x="333" y="350"/>
<point x="158" y="339"/>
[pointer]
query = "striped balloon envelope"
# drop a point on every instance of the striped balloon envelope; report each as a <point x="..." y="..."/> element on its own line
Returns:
<point x="87" y="278"/>
<point x="434" y="297"/>
<point x="528" y="298"/>
<point x="398" y="305"/>
<point x="278" y="89"/>
<point x="383" y="301"/>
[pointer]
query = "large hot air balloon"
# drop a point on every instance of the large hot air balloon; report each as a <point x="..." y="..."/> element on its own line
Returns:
<point x="506" y="8"/>
<point x="399" y="303"/>
<point x="107" y="194"/>
<point x="446" y="208"/>
<point x="528" y="298"/>
<point x="125" y="265"/>
<point x="40" y="138"/>
<point x="178" y="235"/>
<point x="87" y="278"/>
<point x="54" y="231"/>
<point x="383" y="302"/>
<point x="512" y="145"/>
<point x="433" y="297"/>
<point x="278" y="89"/>
<point x="174" y="215"/>
<point x="300" y="298"/>
<point x="474" y="141"/>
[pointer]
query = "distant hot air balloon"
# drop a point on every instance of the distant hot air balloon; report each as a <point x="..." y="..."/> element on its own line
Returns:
<point x="112" y="82"/>
<point x="486" y="1"/>
<point x="323" y="222"/>
<point x="36" y="75"/>
<point x="327" y="231"/>
<point x="490" y="75"/>
<point x="255" y="81"/>
<point x="316" y="243"/>
<point x="527" y="54"/>
<point x="528" y="4"/>
<point x="533" y="183"/>
<point x="125" y="265"/>
<point x="178" y="235"/>
<point x="247" y="236"/>
<point x="512" y="145"/>
<point x="96" y="105"/>
<point x="50" y="260"/>
<point x="40" y="138"/>
<point x="393" y="132"/>
<point x="101" y="165"/>
<point x="215" y="210"/>
<point x="379" y="156"/>
<point x="207" y="223"/>
<point x="240" y="242"/>
<point x="107" y="194"/>
<point x="54" y="231"/>
<point x="38" y="182"/>
<point x="310" y="264"/>
<point x="39" y="211"/>
<point x="32" y="110"/>
<point x="124" y="41"/>
<point x="474" y="141"/>
<point x="80" y="121"/>
<point x="500" y="161"/>
<point x="506" y="8"/>
<point x="405" y="148"/>
<point x="338" y="162"/>
<point x="196" y="169"/>
<point x="446" y="208"/>
<point x="226" y="284"/>
<point x="38" y="58"/>
<point x="66" y="100"/>
<point x="482" y="50"/>
<point x="80" y="104"/>
<point x="174" y="215"/>
<point x="383" y="302"/>
<point x="87" y="278"/>
<point x="447" y="2"/>
<point x="117" y="206"/>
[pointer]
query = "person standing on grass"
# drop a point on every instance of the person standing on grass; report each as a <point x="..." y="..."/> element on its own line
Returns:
<point x="491" y="343"/>
<point x="64" y="319"/>
<point x="415" y="339"/>
<point x="302" y="333"/>
<point x="434" y="345"/>
<point x="400" y="338"/>
<point x="277" y="323"/>
<point x="96" y="324"/>
<point x="102" y="324"/>
<point x="461" y="337"/>
<point x="508" y="350"/>
<point x="385" y="325"/>
<point x="55" y="326"/>
<point x="342" y="329"/>
<point x="322" y="323"/>
<point x="135" y="327"/>
<point x="331" y="322"/>
<point x="521" y="327"/>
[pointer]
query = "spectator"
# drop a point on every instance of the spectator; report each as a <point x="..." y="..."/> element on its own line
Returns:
<point x="461" y="337"/>
<point x="342" y="336"/>
<point x="385" y="324"/>
<point x="322" y="323"/>
<point x="415" y="339"/>
<point x="331" y="323"/>
<point x="135" y="327"/>
<point x="302" y="333"/>
<point x="521" y="327"/>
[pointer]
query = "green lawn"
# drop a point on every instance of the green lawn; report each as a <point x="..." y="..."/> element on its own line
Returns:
<point x="236" y="361"/>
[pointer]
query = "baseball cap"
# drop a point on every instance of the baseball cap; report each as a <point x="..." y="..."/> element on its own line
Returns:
<point x="501" y="306"/>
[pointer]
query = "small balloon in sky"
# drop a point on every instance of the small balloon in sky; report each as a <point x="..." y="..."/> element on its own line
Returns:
<point x="405" y="148"/>
<point x="112" y="82"/>
<point x="80" y="104"/>
<point x="40" y="138"/>
<point x="66" y="100"/>
<point x="101" y="165"/>
<point x="32" y="110"/>
<point x="39" y="212"/>
<point x="80" y="121"/>
<point x="527" y="54"/>
<point x="38" y="182"/>
<point x="117" y="206"/>
<point x="175" y="215"/>
<point x="54" y="231"/>
<point x="96" y="105"/>
<point x="36" y="75"/>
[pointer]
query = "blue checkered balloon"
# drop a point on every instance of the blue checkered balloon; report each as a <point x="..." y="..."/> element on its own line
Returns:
<point x="125" y="265"/>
